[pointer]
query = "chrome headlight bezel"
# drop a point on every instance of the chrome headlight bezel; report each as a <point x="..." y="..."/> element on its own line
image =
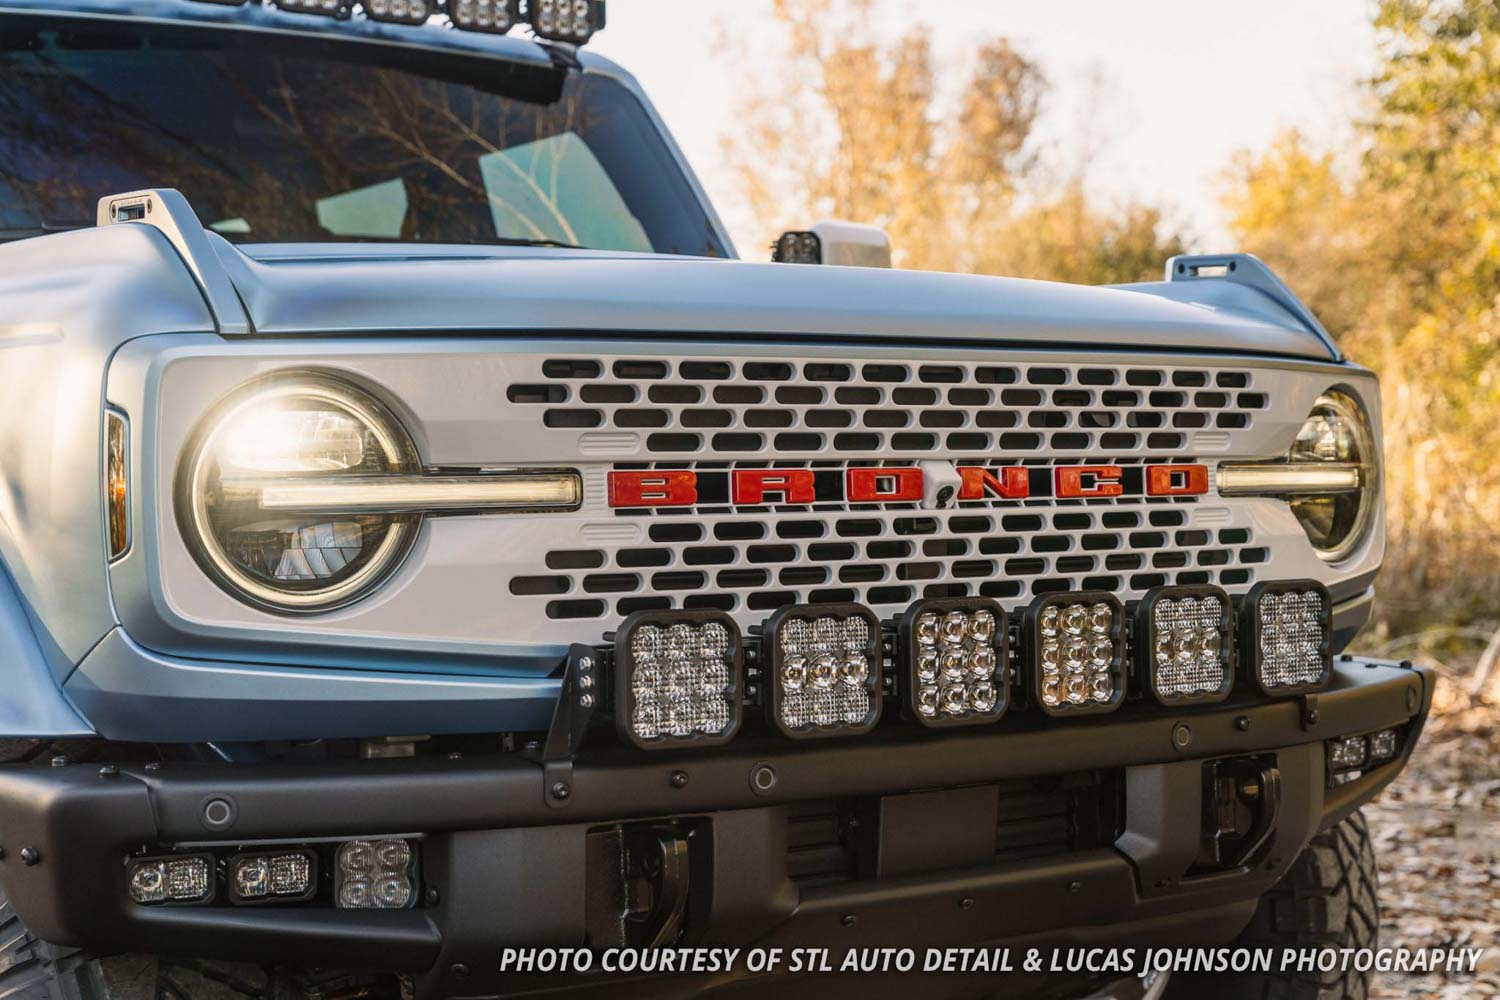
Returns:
<point x="1301" y="479"/>
<point x="198" y="466"/>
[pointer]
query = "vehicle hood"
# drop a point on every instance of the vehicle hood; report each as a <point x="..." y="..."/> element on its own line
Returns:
<point x="362" y="288"/>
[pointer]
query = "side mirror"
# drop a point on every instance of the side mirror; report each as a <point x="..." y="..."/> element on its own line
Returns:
<point x="850" y="244"/>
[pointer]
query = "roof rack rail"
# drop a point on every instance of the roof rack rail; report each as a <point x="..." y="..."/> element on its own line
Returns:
<point x="166" y="210"/>
<point x="1249" y="270"/>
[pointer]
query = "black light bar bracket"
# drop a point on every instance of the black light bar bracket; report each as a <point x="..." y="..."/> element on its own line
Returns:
<point x="577" y="699"/>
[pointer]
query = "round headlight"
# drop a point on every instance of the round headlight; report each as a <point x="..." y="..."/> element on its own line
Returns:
<point x="303" y="427"/>
<point x="1336" y="434"/>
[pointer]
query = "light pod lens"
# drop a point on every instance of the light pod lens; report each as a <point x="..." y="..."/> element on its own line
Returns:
<point x="1075" y="646"/>
<point x="954" y="662"/>
<point x="494" y="16"/>
<point x="823" y="670"/>
<point x="399" y="11"/>
<point x="329" y="8"/>
<point x="797" y="248"/>
<point x="1184" y="648"/>
<point x="281" y="876"/>
<point x="1286" y="632"/>
<point x="182" y="879"/>
<point x="302" y="428"/>
<point x="1347" y="753"/>
<point x="374" y="875"/>
<point x="566" y="20"/>
<point x="678" y="679"/>
<point x="1384" y="745"/>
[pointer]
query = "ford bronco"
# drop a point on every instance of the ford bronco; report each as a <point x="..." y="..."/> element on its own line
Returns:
<point x="421" y="540"/>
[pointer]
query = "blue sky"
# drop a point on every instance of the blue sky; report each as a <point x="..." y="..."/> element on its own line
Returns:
<point x="1154" y="95"/>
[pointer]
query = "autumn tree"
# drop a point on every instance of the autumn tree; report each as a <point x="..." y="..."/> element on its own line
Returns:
<point x="1398" y="250"/>
<point x="847" y="126"/>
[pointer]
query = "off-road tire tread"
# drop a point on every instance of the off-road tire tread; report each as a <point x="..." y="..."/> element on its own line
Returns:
<point x="1328" y="899"/>
<point x="31" y="969"/>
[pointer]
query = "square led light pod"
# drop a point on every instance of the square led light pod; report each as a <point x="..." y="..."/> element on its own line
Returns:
<point x="678" y="679"/>
<point x="1184" y="650"/>
<point x="566" y="20"/>
<point x="822" y="670"/>
<point x="954" y="667"/>
<point x="493" y="16"/>
<point x="1286" y="630"/>
<point x="328" y="8"/>
<point x="181" y="879"/>
<point x="285" y="876"/>
<point x="400" y="11"/>
<point x="1075" y="652"/>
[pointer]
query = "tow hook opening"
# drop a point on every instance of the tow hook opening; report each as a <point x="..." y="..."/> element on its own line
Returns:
<point x="1241" y="803"/>
<point x="640" y="882"/>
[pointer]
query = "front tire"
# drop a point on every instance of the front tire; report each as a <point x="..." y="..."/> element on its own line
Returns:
<point x="1327" y="899"/>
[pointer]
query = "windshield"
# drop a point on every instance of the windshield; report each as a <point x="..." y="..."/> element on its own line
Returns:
<point x="273" y="143"/>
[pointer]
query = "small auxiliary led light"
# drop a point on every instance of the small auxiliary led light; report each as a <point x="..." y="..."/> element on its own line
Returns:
<point x="1075" y="648"/>
<point x="1348" y="753"/>
<point x="281" y="877"/>
<point x="1184" y="647"/>
<point x="953" y="659"/>
<point x="494" y="16"/>
<point x="400" y="11"/>
<point x="1286" y="629"/>
<point x="1384" y="745"/>
<point x="374" y="875"/>
<point x="182" y="879"/>
<point x="822" y="665"/>
<point x="328" y="8"/>
<point x="565" y="20"/>
<point x="678" y="679"/>
<point x="797" y="248"/>
<point x="117" y="482"/>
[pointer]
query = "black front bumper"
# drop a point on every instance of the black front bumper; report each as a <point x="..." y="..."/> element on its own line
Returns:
<point x="504" y="863"/>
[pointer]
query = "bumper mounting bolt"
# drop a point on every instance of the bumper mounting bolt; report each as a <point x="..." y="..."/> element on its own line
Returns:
<point x="679" y="779"/>
<point x="561" y="790"/>
<point x="109" y="771"/>
<point x="849" y="920"/>
<point x="1242" y="723"/>
<point x="59" y="761"/>
<point x="154" y="765"/>
<point x="1075" y="886"/>
<point x="459" y="970"/>
<point x="30" y="856"/>
<point x="433" y="896"/>
<point x="967" y="903"/>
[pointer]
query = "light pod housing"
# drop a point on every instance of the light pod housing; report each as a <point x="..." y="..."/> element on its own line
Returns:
<point x="954" y="663"/>
<point x="822" y="670"/>
<point x="328" y="8"/>
<point x="798" y="247"/>
<point x="180" y="879"/>
<point x="678" y="679"/>
<point x="493" y="16"/>
<point x="284" y="876"/>
<point x="375" y="875"/>
<point x="1075" y="652"/>
<point x="1184" y="645"/>
<point x="572" y="21"/>
<point x="1286" y="630"/>
<point x="400" y="11"/>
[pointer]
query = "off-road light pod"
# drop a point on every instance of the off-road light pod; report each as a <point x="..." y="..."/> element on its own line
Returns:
<point x="1286" y="630"/>
<point x="283" y="876"/>
<point x="678" y="679"/>
<point x="329" y="8"/>
<point x="802" y="247"/>
<point x="374" y="875"/>
<point x="1075" y="652"/>
<point x="821" y="665"/>
<point x="184" y="879"/>
<point x="953" y="662"/>
<point x="565" y="20"/>
<point x="1184" y="645"/>
<point x="494" y="16"/>
<point x="400" y="11"/>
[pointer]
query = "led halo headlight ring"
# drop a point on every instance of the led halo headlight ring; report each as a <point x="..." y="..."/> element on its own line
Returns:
<point x="1186" y="647"/>
<point x="693" y="683"/>
<point x="940" y="653"/>
<point x="810" y="674"/>
<point x="1297" y="630"/>
<point x="1041" y="628"/>
<point x="201" y="496"/>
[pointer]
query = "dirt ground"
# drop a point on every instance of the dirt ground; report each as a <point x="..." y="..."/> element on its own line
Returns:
<point x="1437" y="832"/>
